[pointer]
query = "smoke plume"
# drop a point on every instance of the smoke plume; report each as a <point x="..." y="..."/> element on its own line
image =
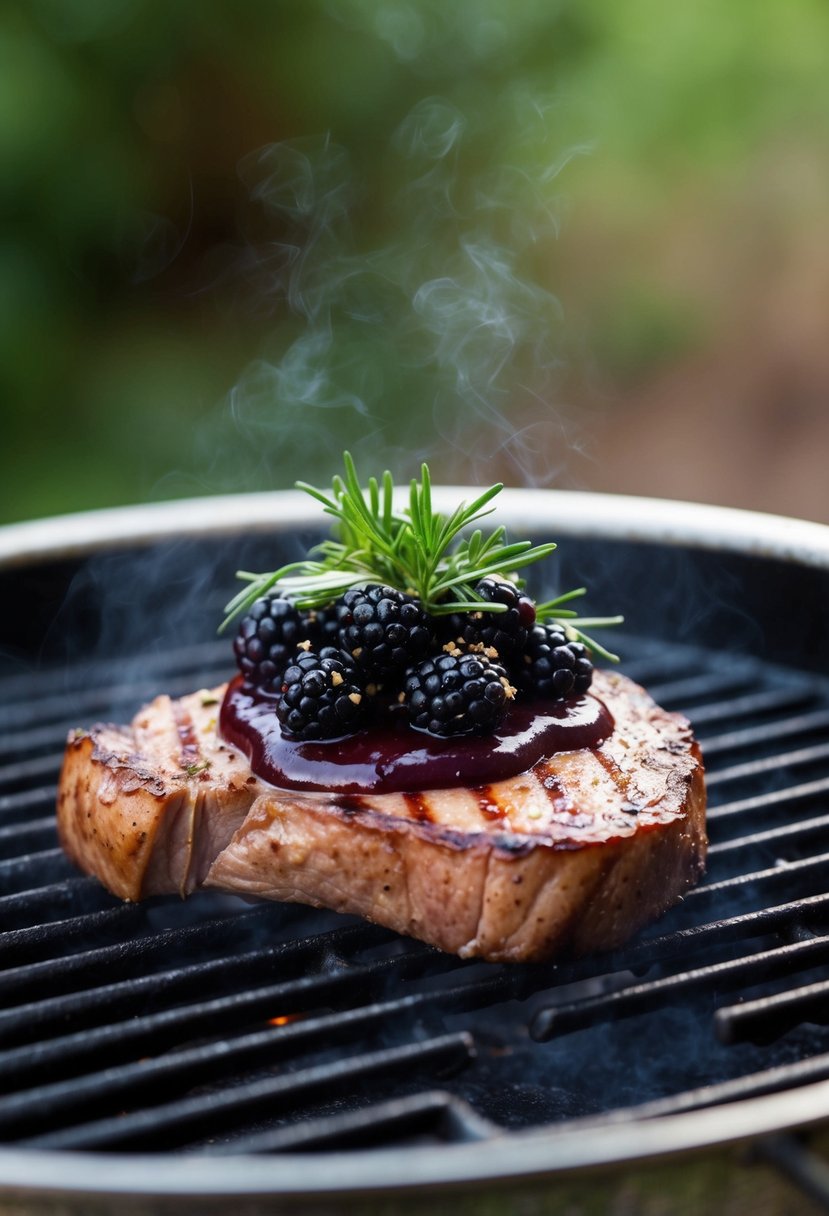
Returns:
<point x="412" y="310"/>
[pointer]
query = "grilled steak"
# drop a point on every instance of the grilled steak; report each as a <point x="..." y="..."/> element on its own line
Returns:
<point x="147" y="808"/>
<point x="576" y="854"/>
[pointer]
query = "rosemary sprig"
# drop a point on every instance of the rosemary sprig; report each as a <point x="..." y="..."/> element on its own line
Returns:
<point x="417" y="551"/>
<point x="574" y="625"/>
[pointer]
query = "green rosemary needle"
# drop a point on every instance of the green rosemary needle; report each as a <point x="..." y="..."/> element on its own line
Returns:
<point x="417" y="551"/>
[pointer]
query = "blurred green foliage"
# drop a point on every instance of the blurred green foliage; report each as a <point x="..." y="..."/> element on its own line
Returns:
<point x="236" y="236"/>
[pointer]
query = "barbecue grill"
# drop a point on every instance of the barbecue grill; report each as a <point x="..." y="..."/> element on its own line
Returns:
<point x="214" y="1055"/>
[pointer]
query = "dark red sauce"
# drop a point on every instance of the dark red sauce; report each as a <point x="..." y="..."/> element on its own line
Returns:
<point x="394" y="758"/>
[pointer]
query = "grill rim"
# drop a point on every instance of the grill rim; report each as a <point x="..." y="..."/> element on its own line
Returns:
<point x="525" y="1155"/>
<point x="573" y="513"/>
<point x="517" y="1156"/>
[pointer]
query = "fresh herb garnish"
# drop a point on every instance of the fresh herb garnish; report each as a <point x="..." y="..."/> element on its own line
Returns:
<point x="574" y="625"/>
<point x="192" y="770"/>
<point x="417" y="551"/>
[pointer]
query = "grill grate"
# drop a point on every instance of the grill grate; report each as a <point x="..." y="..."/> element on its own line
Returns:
<point x="215" y="1026"/>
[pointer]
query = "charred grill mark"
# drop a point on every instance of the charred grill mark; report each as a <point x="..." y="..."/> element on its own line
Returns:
<point x="617" y="775"/>
<point x="558" y="798"/>
<point x="350" y="804"/>
<point x="418" y="807"/>
<point x="190" y="751"/>
<point x="488" y="803"/>
<point x="631" y="804"/>
<point x="420" y="823"/>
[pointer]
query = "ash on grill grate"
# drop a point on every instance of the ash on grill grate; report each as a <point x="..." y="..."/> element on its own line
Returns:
<point x="218" y="1026"/>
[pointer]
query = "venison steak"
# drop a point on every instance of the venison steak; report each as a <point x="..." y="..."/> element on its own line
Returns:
<point x="576" y="854"/>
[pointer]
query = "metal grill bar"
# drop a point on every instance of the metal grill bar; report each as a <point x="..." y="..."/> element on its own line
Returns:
<point x="775" y="798"/>
<point x="23" y="771"/>
<point x="73" y="895"/>
<point x="801" y="832"/>
<point x="767" y="1017"/>
<point x="158" y="1032"/>
<point x="794" y="873"/>
<point x="87" y="1008"/>
<point x="435" y="1113"/>
<point x="753" y="969"/>
<point x="737" y="740"/>
<point x="18" y="872"/>
<point x="770" y="764"/>
<point x="44" y="941"/>
<point x="78" y="705"/>
<point x="739" y="708"/>
<point x="27" y="837"/>
<point x="173" y="1072"/>
<point x="164" y="1028"/>
<point x="184" y="1120"/>
<point x="35" y="739"/>
<point x="710" y="686"/>
<point x="24" y="801"/>
<point x="812" y="910"/>
<point x="40" y="684"/>
<point x="659" y="665"/>
<point x="135" y="953"/>
<point x="104" y="1011"/>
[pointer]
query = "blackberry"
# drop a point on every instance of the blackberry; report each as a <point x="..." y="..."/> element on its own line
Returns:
<point x="323" y="626"/>
<point x="267" y="641"/>
<point x="456" y="694"/>
<point x="553" y="667"/>
<point x="322" y="696"/>
<point x="383" y="630"/>
<point x="504" y="632"/>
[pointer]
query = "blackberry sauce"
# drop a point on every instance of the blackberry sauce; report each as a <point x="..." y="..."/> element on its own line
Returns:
<point x="395" y="758"/>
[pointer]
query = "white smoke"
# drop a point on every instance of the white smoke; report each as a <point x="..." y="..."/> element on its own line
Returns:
<point x="413" y="316"/>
